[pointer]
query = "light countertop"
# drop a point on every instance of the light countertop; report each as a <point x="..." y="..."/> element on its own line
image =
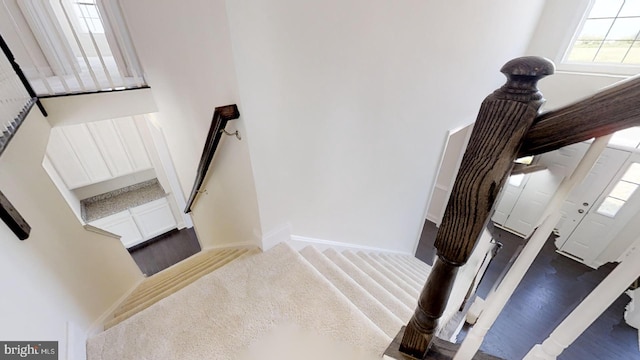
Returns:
<point x="103" y="205"/>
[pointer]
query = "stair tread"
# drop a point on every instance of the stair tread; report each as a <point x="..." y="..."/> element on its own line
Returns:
<point x="186" y="271"/>
<point x="410" y="300"/>
<point x="414" y="261"/>
<point x="389" y="300"/>
<point x="128" y="309"/>
<point x="402" y="280"/>
<point x="404" y="268"/>
<point x="369" y="305"/>
<point x="188" y="263"/>
<point x="244" y="302"/>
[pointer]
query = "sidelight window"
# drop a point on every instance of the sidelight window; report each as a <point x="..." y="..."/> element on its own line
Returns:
<point x="622" y="192"/>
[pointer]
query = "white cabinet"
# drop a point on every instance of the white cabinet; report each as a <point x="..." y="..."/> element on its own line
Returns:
<point x="65" y="160"/>
<point x="121" y="224"/>
<point x="111" y="147"/>
<point x="87" y="151"/>
<point x="140" y="223"/>
<point x="85" y="154"/>
<point x="132" y="142"/>
<point x="153" y="218"/>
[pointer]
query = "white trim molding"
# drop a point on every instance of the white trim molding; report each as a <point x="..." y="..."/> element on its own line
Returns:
<point x="298" y="242"/>
<point x="277" y="235"/>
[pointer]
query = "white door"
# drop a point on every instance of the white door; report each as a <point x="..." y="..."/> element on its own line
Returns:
<point x="612" y="210"/>
<point x="525" y="197"/>
<point x="532" y="202"/>
<point x="583" y="197"/>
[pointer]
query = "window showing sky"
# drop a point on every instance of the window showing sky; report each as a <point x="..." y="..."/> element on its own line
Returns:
<point x="609" y="34"/>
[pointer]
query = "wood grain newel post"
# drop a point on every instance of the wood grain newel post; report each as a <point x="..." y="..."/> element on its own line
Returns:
<point x="505" y="117"/>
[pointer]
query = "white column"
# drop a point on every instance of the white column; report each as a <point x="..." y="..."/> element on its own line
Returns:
<point x="498" y="299"/>
<point x="589" y="309"/>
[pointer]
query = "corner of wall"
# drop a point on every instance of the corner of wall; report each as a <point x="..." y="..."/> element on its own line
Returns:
<point x="277" y="235"/>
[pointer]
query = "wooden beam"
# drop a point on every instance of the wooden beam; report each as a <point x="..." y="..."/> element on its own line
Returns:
<point x="613" y="109"/>
<point x="13" y="219"/>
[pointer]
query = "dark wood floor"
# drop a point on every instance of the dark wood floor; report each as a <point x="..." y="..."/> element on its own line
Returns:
<point x="551" y="289"/>
<point x="165" y="250"/>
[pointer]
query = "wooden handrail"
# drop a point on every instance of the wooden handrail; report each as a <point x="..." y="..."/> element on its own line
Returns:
<point x="613" y="109"/>
<point x="13" y="219"/>
<point x="221" y="116"/>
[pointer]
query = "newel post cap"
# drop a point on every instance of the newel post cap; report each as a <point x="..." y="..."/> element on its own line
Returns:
<point x="522" y="75"/>
<point x="528" y="66"/>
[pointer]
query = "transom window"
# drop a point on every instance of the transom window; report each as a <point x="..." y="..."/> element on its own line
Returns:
<point x="88" y="16"/>
<point x="609" y="34"/>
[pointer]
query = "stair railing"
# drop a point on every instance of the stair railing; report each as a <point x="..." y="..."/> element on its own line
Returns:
<point x="16" y="101"/>
<point x="16" y="96"/>
<point x="221" y="116"/>
<point x="86" y="45"/>
<point x="508" y="126"/>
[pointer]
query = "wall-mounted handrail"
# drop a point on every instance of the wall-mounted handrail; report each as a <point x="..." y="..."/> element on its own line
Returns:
<point x="221" y="116"/>
<point x="13" y="219"/>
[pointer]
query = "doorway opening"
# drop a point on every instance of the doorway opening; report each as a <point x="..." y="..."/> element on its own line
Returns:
<point x="117" y="177"/>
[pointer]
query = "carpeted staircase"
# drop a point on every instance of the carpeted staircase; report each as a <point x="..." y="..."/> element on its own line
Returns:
<point x="174" y="278"/>
<point x="351" y="298"/>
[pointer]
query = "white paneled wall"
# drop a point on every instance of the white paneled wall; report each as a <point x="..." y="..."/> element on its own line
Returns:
<point x="86" y="154"/>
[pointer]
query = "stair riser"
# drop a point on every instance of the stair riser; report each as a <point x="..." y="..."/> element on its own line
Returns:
<point x="414" y="263"/>
<point x="399" y="309"/>
<point x="181" y="275"/>
<point x="401" y="269"/>
<point x="402" y="280"/>
<point x="384" y="319"/>
<point x="406" y="298"/>
<point x="409" y="266"/>
<point x="185" y="276"/>
<point x="163" y="275"/>
<point x="130" y="311"/>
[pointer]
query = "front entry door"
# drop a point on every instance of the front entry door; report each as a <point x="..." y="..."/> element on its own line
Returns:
<point x="590" y="228"/>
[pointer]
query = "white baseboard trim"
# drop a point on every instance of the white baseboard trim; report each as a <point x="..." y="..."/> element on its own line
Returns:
<point x="277" y="235"/>
<point x="500" y="226"/>
<point x="299" y="242"/>
<point x="98" y="325"/>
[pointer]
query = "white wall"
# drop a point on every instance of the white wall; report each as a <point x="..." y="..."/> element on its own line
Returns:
<point x="62" y="273"/>
<point x="347" y="104"/>
<point x="79" y="109"/>
<point x="185" y="50"/>
<point x="70" y="197"/>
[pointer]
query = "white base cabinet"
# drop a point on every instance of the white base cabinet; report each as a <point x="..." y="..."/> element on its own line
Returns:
<point x="140" y="223"/>
<point x="153" y="218"/>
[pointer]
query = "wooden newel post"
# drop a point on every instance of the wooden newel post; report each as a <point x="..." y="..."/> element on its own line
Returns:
<point x="505" y="117"/>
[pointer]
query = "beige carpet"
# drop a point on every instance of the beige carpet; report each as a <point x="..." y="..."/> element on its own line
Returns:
<point x="233" y="311"/>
